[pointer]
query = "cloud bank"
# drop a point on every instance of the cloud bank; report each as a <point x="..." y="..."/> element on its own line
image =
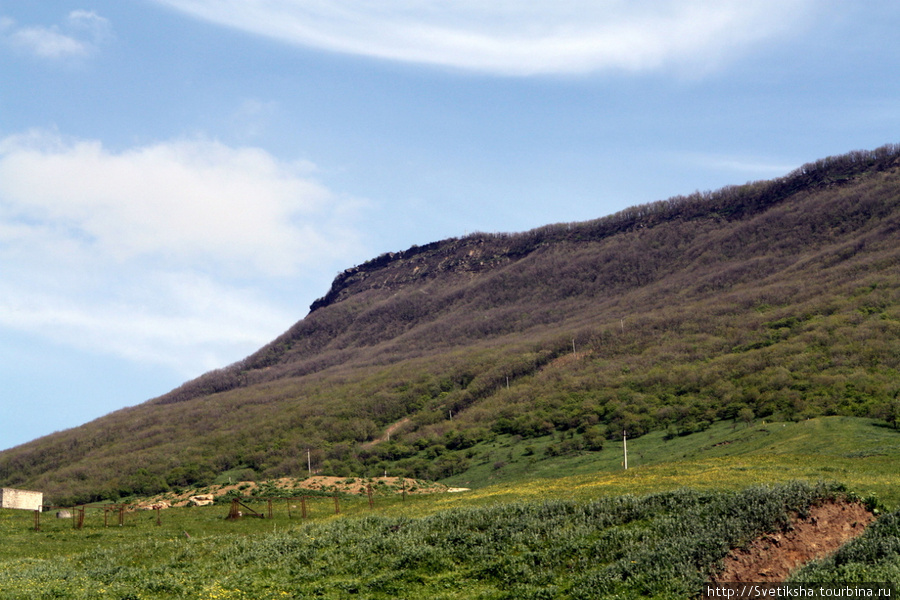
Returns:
<point x="517" y="37"/>
<point x="151" y="253"/>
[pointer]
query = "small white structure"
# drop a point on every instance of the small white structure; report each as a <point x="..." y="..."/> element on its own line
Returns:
<point x="22" y="499"/>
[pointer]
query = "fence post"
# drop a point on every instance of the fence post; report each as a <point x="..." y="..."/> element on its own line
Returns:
<point x="235" y="511"/>
<point x="369" y="492"/>
<point x="337" y="504"/>
<point x="289" y="506"/>
<point x="121" y="515"/>
<point x="303" y="506"/>
<point x="269" y="500"/>
<point x="37" y="520"/>
<point x="158" y="510"/>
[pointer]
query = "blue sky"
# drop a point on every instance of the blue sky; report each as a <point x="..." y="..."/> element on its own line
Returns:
<point x="180" y="179"/>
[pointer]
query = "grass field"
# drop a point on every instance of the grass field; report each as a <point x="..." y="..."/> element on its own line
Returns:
<point x="526" y="535"/>
<point x="861" y="453"/>
<point x="664" y="545"/>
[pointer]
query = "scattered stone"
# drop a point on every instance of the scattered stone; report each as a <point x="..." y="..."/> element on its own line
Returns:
<point x="202" y="500"/>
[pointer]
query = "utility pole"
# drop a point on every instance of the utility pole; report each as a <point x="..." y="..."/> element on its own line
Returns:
<point x="308" y="462"/>
<point x="625" y="447"/>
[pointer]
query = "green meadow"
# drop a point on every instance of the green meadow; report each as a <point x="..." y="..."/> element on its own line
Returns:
<point x="659" y="529"/>
<point x="864" y="454"/>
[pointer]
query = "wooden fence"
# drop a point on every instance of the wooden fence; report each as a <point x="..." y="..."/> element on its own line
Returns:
<point x="238" y="508"/>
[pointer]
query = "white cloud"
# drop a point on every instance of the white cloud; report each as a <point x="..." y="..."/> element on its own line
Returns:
<point x="47" y="43"/>
<point x="80" y="36"/>
<point x="183" y="321"/>
<point x="88" y="22"/>
<point x="517" y="37"/>
<point x="161" y="253"/>
<point x="749" y="165"/>
<point x="235" y="209"/>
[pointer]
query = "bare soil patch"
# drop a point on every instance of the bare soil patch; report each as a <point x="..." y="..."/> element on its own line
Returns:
<point x="772" y="557"/>
<point x="289" y="487"/>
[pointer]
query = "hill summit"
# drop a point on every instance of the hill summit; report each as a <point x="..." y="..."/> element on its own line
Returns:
<point x="773" y="299"/>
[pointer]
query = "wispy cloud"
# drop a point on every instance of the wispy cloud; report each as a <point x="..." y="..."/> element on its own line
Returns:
<point x="151" y="253"/>
<point x="80" y="35"/>
<point x="253" y="117"/>
<point x="517" y="38"/>
<point x="747" y="165"/>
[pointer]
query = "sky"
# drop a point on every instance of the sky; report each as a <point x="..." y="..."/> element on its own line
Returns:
<point x="180" y="179"/>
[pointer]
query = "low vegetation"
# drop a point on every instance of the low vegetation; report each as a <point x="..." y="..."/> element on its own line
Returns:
<point x="659" y="529"/>
<point x="663" y="545"/>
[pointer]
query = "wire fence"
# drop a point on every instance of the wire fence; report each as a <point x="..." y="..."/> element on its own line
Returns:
<point x="229" y="508"/>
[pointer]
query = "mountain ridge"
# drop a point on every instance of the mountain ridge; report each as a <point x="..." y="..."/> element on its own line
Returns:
<point x="777" y="297"/>
<point x="731" y="202"/>
<point x="468" y="255"/>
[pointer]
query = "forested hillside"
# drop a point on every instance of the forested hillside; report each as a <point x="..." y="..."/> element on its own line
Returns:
<point x="776" y="299"/>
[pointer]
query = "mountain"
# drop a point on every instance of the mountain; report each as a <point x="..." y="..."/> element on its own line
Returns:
<point x="776" y="299"/>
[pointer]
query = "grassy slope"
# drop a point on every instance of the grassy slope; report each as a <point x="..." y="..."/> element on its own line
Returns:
<point x="862" y="453"/>
<point x="262" y="558"/>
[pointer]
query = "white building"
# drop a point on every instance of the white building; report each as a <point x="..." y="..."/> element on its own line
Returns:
<point x="23" y="499"/>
